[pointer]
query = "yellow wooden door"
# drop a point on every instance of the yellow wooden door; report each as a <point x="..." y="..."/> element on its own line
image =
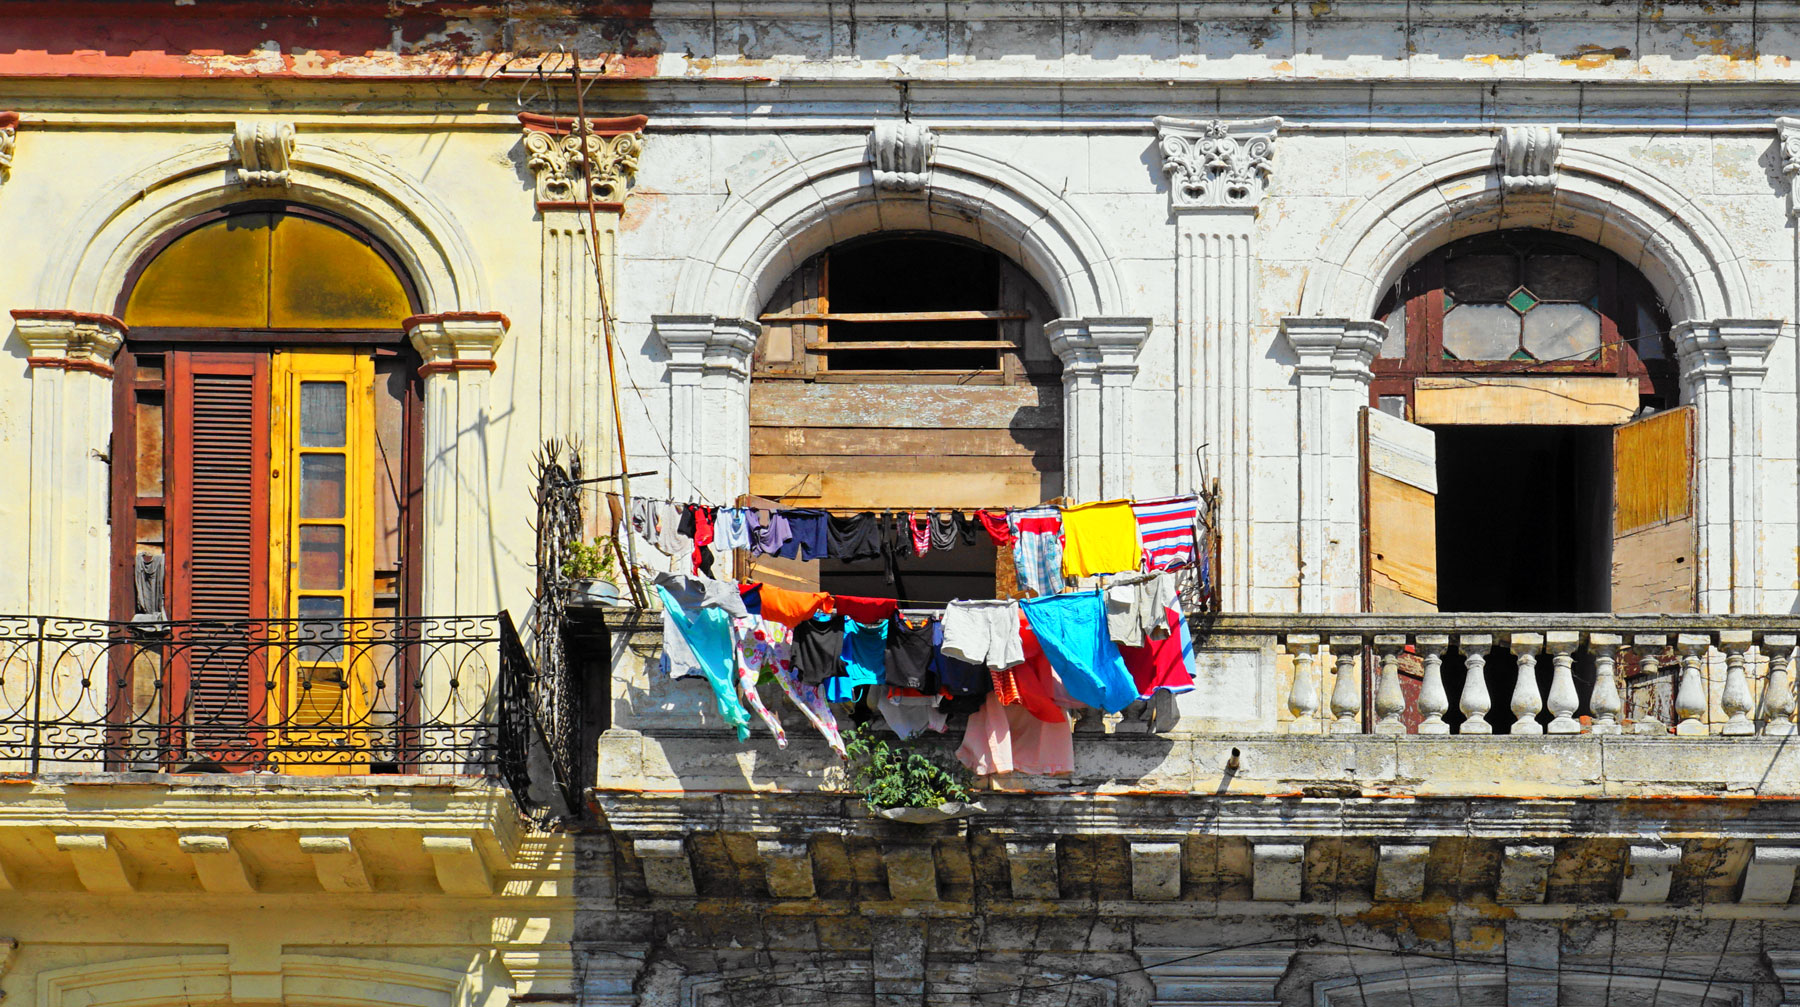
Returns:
<point x="321" y="554"/>
<point x="1400" y="514"/>
<point x="1653" y="568"/>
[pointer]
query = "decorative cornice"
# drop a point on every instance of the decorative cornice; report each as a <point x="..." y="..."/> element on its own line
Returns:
<point x="1788" y="131"/>
<point x="1218" y="163"/>
<point x="1734" y="348"/>
<point x="60" y="339"/>
<point x="263" y="150"/>
<point x="453" y="341"/>
<point x="9" y="137"/>
<point x="900" y="155"/>
<point x="1215" y="975"/>
<point x="1527" y="156"/>
<point x="1334" y="347"/>
<point x="1098" y="345"/>
<point x="706" y="343"/>
<point x="554" y="149"/>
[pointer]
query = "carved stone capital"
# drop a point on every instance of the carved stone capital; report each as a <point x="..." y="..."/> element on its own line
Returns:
<point x="900" y="155"/>
<point x="1734" y="349"/>
<point x="564" y="176"/>
<point x="69" y="340"/>
<point x="701" y="344"/>
<point x="9" y="136"/>
<point x="1330" y="348"/>
<point x="456" y="340"/>
<point x="1527" y="156"/>
<point x="263" y="150"/>
<point x="1788" y="131"/>
<point x="1216" y="164"/>
<point x="1098" y="345"/>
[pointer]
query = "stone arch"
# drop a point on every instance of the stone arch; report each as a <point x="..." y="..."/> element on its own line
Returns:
<point x="1651" y="225"/>
<point x="830" y="197"/>
<point x="1477" y="986"/>
<point x="304" y="980"/>
<point x="121" y="222"/>
<point x="952" y="984"/>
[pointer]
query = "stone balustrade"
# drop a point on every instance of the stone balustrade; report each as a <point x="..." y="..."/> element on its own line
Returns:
<point x="1729" y="675"/>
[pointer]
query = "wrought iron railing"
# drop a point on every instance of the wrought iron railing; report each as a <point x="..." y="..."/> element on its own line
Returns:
<point x="436" y="696"/>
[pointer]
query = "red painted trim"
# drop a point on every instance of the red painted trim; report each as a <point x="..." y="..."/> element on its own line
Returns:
<point x="456" y="316"/>
<point x="562" y="125"/>
<point x="567" y="204"/>
<point x="451" y="366"/>
<point x="9" y="120"/>
<point x="70" y="364"/>
<point x="65" y="315"/>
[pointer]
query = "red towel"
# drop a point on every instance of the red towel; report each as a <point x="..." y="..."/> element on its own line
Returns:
<point x="864" y="610"/>
<point x="995" y="523"/>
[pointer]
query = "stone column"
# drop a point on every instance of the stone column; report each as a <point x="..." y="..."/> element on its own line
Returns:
<point x="709" y="403"/>
<point x="69" y="357"/>
<point x="1334" y="375"/>
<point x="1218" y="171"/>
<point x="457" y="349"/>
<point x="1215" y="976"/>
<point x="1099" y="357"/>
<point x="575" y="397"/>
<point x="1723" y="364"/>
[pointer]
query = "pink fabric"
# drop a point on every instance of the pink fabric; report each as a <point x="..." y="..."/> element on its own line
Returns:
<point x="1005" y="739"/>
<point x="921" y="533"/>
<point x="1161" y="664"/>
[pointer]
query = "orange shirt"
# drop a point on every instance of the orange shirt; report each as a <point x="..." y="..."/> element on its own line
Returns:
<point x="791" y="608"/>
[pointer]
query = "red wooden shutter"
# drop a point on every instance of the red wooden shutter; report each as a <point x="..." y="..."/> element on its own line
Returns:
<point x="219" y="548"/>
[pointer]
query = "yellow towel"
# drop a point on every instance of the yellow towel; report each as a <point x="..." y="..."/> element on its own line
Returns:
<point x="1100" y="538"/>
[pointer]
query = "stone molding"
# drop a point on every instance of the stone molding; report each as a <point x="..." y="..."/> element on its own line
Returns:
<point x="1333" y="372"/>
<point x="1217" y="164"/>
<point x="1735" y="350"/>
<point x="1527" y="156"/>
<point x="554" y="153"/>
<point x="251" y="974"/>
<point x="706" y="344"/>
<point x="709" y="401"/>
<point x="9" y="139"/>
<point x="1787" y="132"/>
<point x="457" y="340"/>
<point x="1246" y="978"/>
<point x="1786" y="966"/>
<point x="69" y="340"/>
<point x="1100" y="364"/>
<point x="1449" y="984"/>
<point x="263" y="150"/>
<point x="900" y="155"/>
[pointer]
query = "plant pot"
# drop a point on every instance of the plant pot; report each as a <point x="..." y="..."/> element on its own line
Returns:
<point x="927" y="816"/>
<point x="589" y="593"/>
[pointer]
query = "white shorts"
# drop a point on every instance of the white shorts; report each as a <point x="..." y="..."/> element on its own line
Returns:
<point x="984" y="632"/>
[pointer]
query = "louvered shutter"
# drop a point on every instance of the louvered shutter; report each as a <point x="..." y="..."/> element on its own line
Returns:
<point x="219" y="546"/>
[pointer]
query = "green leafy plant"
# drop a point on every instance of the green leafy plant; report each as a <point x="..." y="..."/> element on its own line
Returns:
<point x="890" y="776"/>
<point x="591" y="561"/>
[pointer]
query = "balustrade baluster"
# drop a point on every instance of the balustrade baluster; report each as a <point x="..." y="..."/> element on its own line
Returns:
<point x="1346" y="694"/>
<point x="1526" y="699"/>
<point x="1390" y="702"/>
<point x="1563" y="699"/>
<point x="1433" y="702"/>
<point x="1778" y="688"/>
<point x="1649" y="647"/>
<point x="1475" y="701"/>
<point x="1605" y="702"/>
<point x="1690" y="694"/>
<point x="1303" y="697"/>
<point x="1735" y="698"/>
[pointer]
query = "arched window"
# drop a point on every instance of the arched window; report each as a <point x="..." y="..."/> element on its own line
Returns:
<point x="1522" y="302"/>
<point x="906" y="372"/>
<point x="266" y="450"/>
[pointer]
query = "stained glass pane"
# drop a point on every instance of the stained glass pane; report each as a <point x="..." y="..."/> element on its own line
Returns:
<point x="314" y="607"/>
<point x="1481" y="332"/>
<point x="321" y="486"/>
<point x="1562" y="331"/>
<point x="1522" y="300"/>
<point x="322" y="277"/>
<point x="1562" y="277"/>
<point x="1481" y="278"/>
<point x="322" y="414"/>
<point x="1649" y="341"/>
<point x="215" y="275"/>
<point x="321" y="557"/>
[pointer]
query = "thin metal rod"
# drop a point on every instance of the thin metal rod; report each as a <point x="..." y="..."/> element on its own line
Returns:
<point x="629" y="553"/>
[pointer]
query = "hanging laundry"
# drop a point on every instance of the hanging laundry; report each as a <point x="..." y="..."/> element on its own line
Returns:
<point x="819" y="648"/>
<point x="864" y="609"/>
<point x="1032" y="683"/>
<point x="1005" y="739"/>
<point x="1072" y="630"/>
<point x="909" y="654"/>
<point x="853" y="537"/>
<point x="1166" y="527"/>
<point x="920" y="527"/>
<point x="1037" y="549"/>
<point x="1100" y="538"/>
<point x="703" y="592"/>
<point x="865" y="659"/>
<point x="669" y="539"/>
<point x="745" y="632"/>
<point x="769" y="531"/>
<point x="966" y="527"/>
<point x="1163" y="663"/>
<point x="954" y="677"/>
<point x="983" y="633"/>
<point x="733" y="528"/>
<point x="697" y="525"/>
<point x="767" y="647"/>
<point x="790" y="608"/>
<point x="708" y="634"/>
<point x="894" y="545"/>
<point x="808" y="537"/>
<point x="1135" y="603"/>
<point x="943" y="530"/>
<point x="678" y="660"/>
<point x="994" y="523"/>
<point x="908" y="712"/>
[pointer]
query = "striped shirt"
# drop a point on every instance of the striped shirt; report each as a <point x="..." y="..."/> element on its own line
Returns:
<point x="1166" y="527"/>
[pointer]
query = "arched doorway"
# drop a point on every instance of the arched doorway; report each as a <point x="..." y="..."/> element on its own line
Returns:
<point x="906" y="373"/>
<point x="267" y="470"/>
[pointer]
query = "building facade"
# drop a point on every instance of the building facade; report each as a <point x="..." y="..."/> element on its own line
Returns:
<point x="1475" y="321"/>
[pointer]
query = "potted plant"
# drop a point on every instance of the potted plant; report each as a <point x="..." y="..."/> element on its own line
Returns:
<point x="592" y="572"/>
<point x="903" y="784"/>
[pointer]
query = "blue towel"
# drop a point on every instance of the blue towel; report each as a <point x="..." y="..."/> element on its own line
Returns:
<point x="1072" y="630"/>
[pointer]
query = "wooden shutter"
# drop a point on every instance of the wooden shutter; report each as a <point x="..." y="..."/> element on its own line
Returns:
<point x="1653" y="513"/>
<point x="1400" y="511"/>
<point x="218" y="543"/>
